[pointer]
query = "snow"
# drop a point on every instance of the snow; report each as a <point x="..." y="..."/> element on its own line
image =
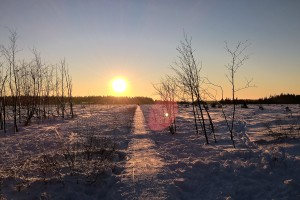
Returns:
<point x="153" y="164"/>
<point x="143" y="164"/>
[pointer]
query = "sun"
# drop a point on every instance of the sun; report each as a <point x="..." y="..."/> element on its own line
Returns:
<point x="119" y="85"/>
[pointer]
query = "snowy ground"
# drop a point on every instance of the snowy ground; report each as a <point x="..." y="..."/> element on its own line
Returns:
<point x="148" y="164"/>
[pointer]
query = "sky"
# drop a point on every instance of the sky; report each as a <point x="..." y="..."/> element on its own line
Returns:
<point x="137" y="40"/>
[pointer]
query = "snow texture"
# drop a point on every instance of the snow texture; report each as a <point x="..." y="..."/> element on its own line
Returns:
<point x="153" y="164"/>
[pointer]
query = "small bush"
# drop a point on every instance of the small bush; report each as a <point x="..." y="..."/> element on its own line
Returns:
<point x="49" y="167"/>
<point x="213" y="105"/>
<point x="20" y="173"/>
<point x="244" y="105"/>
<point x="280" y="129"/>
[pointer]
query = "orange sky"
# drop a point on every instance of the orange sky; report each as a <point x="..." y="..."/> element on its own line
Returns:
<point x="102" y="40"/>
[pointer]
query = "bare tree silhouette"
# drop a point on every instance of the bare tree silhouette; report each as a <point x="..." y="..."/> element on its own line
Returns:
<point x="237" y="60"/>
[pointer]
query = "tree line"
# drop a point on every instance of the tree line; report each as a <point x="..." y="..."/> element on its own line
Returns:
<point x="111" y="100"/>
<point x="31" y="89"/>
<point x="280" y="99"/>
<point x="273" y="99"/>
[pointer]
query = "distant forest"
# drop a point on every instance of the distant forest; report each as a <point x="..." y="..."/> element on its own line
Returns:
<point x="112" y="100"/>
<point x="276" y="99"/>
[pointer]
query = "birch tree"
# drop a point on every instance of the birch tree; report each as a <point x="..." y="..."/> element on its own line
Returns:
<point x="188" y="72"/>
<point x="237" y="60"/>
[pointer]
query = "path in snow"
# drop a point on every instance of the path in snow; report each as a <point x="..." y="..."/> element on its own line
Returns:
<point x="140" y="177"/>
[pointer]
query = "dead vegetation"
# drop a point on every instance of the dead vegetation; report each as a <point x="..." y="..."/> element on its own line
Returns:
<point x="92" y="153"/>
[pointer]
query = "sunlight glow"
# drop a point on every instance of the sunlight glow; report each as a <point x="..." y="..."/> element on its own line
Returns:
<point x="119" y="85"/>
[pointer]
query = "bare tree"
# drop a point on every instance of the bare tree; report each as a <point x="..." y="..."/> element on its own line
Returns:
<point x="57" y="93"/>
<point x="200" y="101"/>
<point x="167" y="91"/>
<point x="62" y="97"/>
<point x="9" y="53"/>
<point x="28" y="102"/>
<point x="49" y="86"/>
<point x="26" y="86"/>
<point x="69" y="90"/>
<point x="187" y="71"/>
<point x="237" y="60"/>
<point x="3" y="78"/>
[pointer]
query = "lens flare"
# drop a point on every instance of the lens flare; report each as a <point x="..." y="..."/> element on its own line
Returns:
<point x="162" y="115"/>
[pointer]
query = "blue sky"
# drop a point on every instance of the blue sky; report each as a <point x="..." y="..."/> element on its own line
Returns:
<point x="137" y="40"/>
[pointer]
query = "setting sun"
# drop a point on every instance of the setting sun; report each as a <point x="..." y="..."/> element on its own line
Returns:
<point x="119" y="85"/>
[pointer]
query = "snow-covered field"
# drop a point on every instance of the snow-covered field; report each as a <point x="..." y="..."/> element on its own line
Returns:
<point x="109" y="152"/>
